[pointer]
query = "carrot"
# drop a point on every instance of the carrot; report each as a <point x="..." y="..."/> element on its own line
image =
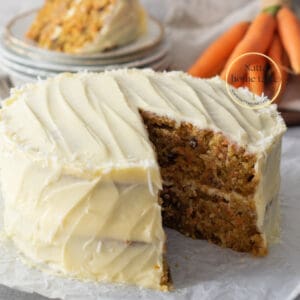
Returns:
<point x="256" y="74"/>
<point x="289" y="31"/>
<point x="276" y="52"/>
<point x="257" y="39"/>
<point x="284" y="78"/>
<point x="213" y="59"/>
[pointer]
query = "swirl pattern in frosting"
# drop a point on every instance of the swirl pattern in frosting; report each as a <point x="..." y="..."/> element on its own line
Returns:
<point x="80" y="177"/>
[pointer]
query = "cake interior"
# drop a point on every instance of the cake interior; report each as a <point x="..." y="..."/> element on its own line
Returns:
<point x="68" y="25"/>
<point x="208" y="185"/>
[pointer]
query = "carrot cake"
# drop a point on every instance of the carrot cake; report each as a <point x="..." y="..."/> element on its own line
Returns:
<point x="84" y="26"/>
<point x="92" y="165"/>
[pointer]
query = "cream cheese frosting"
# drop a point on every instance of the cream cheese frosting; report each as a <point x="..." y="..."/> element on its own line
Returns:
<point x="204" y="103"/>
<point x="124" y="23"/>
<point x="80" y="178"/>
<point x="98" y="229"/>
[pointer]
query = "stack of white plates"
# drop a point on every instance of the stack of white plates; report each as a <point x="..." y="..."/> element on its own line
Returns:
<point x="22" y="58"/>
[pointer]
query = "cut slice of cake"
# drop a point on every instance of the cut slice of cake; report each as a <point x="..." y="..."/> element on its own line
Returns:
<point x="93" y="164"/>
<point x="84" y="26"/>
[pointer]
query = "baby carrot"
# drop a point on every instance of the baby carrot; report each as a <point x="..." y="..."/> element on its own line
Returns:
<point x="276" y="53"/>
<point x="256" y="75"/>
<point x="284" y="77"/>
<point x="289" y="31"/>
<point x="257" y="39"/>
<point x="213" y="59"/>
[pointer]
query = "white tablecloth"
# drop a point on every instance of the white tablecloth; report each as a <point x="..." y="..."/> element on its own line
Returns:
<point x="186" y="21"/>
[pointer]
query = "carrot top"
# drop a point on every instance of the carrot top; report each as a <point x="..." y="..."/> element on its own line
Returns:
<point x="272" y="10"/>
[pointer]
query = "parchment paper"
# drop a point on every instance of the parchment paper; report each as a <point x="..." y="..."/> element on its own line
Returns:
<point x="199" y="270"/>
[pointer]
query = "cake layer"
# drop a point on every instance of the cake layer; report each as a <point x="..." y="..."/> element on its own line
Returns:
<point x="213" y="188"/>
<point x="205" y="157"/>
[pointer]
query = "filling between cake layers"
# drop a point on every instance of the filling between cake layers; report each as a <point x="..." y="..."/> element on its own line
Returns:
<point x="208" y="185"/>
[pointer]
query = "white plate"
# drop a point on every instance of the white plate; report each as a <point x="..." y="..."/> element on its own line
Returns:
<point x="25" y="70"/>
<point x="38" y="57"/>
<point x="20" y="78"/>
<point x="162" y="65"/>
<point x="44" y="64"/>
<point x="33" y="73"/>
<point x="16" y="29"/>
<point x="45" y="72"/>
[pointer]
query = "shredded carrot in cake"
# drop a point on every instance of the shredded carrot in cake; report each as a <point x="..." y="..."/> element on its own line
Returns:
<point x="69" y="24"/>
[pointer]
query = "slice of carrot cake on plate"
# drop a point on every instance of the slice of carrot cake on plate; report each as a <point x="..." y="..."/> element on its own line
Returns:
<point x="84" y="26"/>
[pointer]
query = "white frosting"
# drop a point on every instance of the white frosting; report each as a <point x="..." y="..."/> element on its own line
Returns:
<point x="124" y="22"/>
<point x="98" y="229"/>
<point x="79" y="175"/>
<point x="95" y="107"/>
